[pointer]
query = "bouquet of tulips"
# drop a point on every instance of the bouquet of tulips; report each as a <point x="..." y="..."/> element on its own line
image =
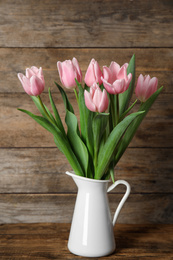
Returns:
<point x="106" y="124"/>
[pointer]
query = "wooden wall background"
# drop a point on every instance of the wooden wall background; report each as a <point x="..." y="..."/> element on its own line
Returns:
<point x="33" y="186"/>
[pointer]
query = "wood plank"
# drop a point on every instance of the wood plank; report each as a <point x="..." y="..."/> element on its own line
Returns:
<point x="19" y="130"/>
<point x="157" y="62"/>
<point x="41" y="170"/>
<point x="49" y="241"/>
<point x="53" y="228"/>
<point x="79" y="24"/>
<point x="37" y="208"/>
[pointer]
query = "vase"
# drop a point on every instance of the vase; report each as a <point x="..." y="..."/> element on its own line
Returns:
<point x="91" y="233"/>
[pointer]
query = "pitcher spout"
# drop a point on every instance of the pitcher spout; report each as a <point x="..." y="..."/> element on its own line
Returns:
<point x="87" y="183"/>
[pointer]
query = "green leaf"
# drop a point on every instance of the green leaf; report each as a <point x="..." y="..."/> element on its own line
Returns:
<point x="111" y="171"/>
<point x="113" y="110"/>
<point x="40" y="108"/>
<point x="57" y="116"/>
<point x="99" y="125"/>
<point x="107" y="151"/>
<point x="124" y="98"/>
<point x="77" y="145"/>
<point x="40" y="120"/>
<point x="83" y="112"/>
<point x="134" y="126"/>
<point x="85" y="121"/>
<point x="67" y="103"/>
<point x="60" y="140"/>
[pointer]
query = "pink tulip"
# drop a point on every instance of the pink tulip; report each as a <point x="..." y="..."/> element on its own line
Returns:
<point x="68" y="72"/>
<point x="33" y="83"/>
<point x="93" y="74"/>
<point x="115" y="78"/>
<point x="145" y="87"/>
<point x="96" y="100"/>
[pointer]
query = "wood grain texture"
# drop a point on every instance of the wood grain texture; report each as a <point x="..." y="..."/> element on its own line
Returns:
<point x="157" y="62"/>
<point x="58" y="208"/>
<point x="86" y="23"/>
<point x="42" y="170"/>
<point x="49" y="241"/>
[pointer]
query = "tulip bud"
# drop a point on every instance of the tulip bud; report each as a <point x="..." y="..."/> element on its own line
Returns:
<point x="145" y="87"/>
<point x="93" y="74"/>
<point x="68" y="72"/>
<point x="96" y="100"/>
<point x="33" y="83"/>
<point x="115" y="78"/>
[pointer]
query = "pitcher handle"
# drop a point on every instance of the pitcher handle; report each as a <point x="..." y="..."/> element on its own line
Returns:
<point x="124" y="198"/>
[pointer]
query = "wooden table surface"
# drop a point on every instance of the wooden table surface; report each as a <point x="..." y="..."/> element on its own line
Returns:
<point x="49" y="241"/>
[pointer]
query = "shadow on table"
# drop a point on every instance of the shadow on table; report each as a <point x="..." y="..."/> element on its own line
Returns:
<point x="136" y="237"/>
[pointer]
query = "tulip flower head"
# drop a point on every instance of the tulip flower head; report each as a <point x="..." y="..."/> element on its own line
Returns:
<point x="146" y="86"/>
<point x="115" y="78"/>
<point x="33" y="83"/>
<point x="69" y="70"/>
<point x="96" y="100"/>
<point x="93" y="74"/>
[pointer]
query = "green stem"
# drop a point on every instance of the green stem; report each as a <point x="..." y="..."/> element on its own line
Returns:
<point x="75" y="91"/>
<point x="112" y="112"/>
<point x="95" y="158"/>
<point x="112" y="171"/>
<point x="117" y="110"/>
<point x="43" y="107"/>
<point x="127" y="111"/>
<point x="115" y="121"/>
<point x="96" y="148"/>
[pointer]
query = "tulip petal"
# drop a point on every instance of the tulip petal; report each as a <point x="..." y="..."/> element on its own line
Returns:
<point x="114" y="67"/>
<point x="88" y="101"/>
<point x="107" y="74"/>
<point x="108" y="87"/>
<point x="68" y="75"/>
<point x="151" y="88"/>
<point x="93" y="74"/>
<point x="37" y="86"/>
<point x="139" y="86"/>
<point x="29" y="73"/>
<point x="98" y="73"/>
<point x="35" y="69"/>
<point x="154" y="82"/>
<point x="25" y="83"/>
<point x="126" y="65"/>
<point x="97" y="97"/>
<point x="145" y="87"/>
<point x="104" y="102"/>
<point x="40" y="74"/>
<point x="77" y="69"/>
<point x="129" y="78"/>
<point x="118" y="86"/>
<point x="122" y="74"/>
<point x="20" y="77"/>
<point x="93" y="89"/>
<point x="90" y="75"/>
<point x="59" y="66"/>
<point x="146" y="81"/>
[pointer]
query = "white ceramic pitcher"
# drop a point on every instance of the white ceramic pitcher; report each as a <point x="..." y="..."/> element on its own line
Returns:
<point x="91" y="233"/>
